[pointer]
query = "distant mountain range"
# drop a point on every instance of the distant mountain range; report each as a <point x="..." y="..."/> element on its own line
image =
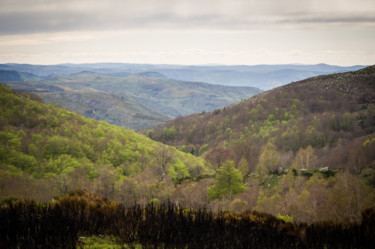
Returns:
<point x="139" y="96"/>
<point x="264" y="77"/>
<point x="134" y="101"/>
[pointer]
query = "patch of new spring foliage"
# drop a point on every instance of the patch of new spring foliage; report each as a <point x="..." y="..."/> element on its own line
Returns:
<point x="60" y="224"/>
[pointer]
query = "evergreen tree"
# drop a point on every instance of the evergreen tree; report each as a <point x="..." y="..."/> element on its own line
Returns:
<point x="228" y="182"/>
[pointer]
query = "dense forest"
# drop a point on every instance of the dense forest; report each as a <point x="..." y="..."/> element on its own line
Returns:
<point x="306" y="149"/>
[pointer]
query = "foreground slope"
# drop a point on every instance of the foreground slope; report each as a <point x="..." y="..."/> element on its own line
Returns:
<point x="46" y="150"/>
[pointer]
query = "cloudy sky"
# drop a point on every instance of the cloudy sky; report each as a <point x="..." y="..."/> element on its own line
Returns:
<point x="340" y="32"/>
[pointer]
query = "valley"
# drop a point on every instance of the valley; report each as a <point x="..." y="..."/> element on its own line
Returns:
<point x="187" y="124"/>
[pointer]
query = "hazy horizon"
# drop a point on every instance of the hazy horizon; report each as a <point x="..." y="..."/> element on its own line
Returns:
<point x="183" y="65"/>
<point x="236" y="32"/>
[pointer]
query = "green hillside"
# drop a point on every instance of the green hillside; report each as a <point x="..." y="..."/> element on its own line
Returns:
<point x="46" y="150"/>
<point x="296" y="145"/>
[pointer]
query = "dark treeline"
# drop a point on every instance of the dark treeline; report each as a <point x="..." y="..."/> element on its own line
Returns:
<point x="60" y="223"/>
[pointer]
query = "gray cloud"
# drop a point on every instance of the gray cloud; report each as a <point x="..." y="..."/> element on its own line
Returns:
<point x="21" y="16"/>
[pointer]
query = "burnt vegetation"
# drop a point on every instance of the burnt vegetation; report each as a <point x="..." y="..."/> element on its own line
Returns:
<point x="62" y="222"/>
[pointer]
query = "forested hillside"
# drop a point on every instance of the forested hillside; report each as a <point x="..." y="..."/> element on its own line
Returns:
<point x="305" y="149"/>
<point x="46" y="150"/>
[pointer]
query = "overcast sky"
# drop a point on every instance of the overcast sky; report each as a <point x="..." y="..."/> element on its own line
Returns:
<point x="340" y="32"/>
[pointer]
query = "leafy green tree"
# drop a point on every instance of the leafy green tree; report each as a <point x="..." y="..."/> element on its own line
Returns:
<point x="169" y="133"/>
<point x="21" y="160"/>
<point x="203" y="149"/>
<point x="228" y="132"/>
<point x="228" y="182"/>
<point x="178" y="171"/>
<point x="154" y="201"/>
<point x="286" y="218"/>
<point x="150" y="133"/>
<point x="268" y="160"/>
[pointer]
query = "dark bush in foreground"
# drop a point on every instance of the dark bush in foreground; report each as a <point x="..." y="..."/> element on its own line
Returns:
<point x="59" y="224"/>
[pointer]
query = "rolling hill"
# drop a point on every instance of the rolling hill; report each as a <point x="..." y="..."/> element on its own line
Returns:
<point x="46" y="150"/>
